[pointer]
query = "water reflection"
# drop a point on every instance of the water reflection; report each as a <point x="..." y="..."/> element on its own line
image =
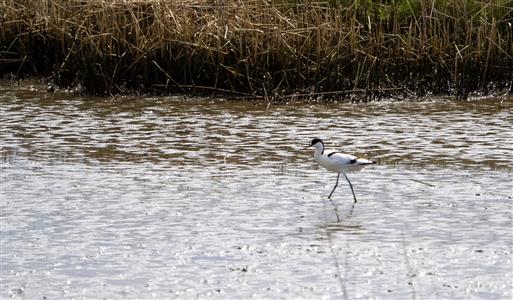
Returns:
<point x="342" y="226"/>
<point x="161" y="197"/>
<point x="171" y="130"/>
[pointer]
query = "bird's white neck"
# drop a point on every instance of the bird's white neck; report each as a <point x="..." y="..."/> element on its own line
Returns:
<point x="319" y="149"/>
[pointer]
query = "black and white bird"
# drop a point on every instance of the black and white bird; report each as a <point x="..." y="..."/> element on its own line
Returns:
<point x="338" y="162"/>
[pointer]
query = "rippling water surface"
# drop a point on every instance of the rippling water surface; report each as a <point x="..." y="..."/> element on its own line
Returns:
<point x="192" y="198"/>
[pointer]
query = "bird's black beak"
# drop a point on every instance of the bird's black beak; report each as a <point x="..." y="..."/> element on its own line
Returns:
<point x="306" y="147"/>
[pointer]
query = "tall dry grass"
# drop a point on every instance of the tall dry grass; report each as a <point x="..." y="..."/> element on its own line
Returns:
<point x="262" y="48"/>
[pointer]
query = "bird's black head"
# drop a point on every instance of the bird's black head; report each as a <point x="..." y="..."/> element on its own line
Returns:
<point x="315" y="141"/>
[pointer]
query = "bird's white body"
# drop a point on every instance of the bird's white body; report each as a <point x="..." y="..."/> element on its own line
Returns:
<point x="338" y="162"/>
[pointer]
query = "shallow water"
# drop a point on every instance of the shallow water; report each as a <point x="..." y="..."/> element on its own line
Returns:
<point x="171" y="198"/>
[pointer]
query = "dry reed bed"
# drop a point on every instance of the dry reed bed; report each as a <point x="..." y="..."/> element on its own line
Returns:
<point x="262" y="49"/>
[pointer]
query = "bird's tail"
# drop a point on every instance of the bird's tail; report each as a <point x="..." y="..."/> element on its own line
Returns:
<point x="362" y="162"/>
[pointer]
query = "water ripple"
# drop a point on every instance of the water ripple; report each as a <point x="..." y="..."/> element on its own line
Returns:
<point x="136" y="198"/>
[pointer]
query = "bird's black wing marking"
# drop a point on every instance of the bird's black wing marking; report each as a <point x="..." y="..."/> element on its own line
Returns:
<point x="330" y="154"/>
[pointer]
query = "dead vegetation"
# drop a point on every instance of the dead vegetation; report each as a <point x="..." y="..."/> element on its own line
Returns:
<point x="262" y="49"/>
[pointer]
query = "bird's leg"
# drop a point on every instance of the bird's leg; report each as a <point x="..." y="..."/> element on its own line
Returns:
<point x="329" y="197"/>
<point x="351" y="186"/>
